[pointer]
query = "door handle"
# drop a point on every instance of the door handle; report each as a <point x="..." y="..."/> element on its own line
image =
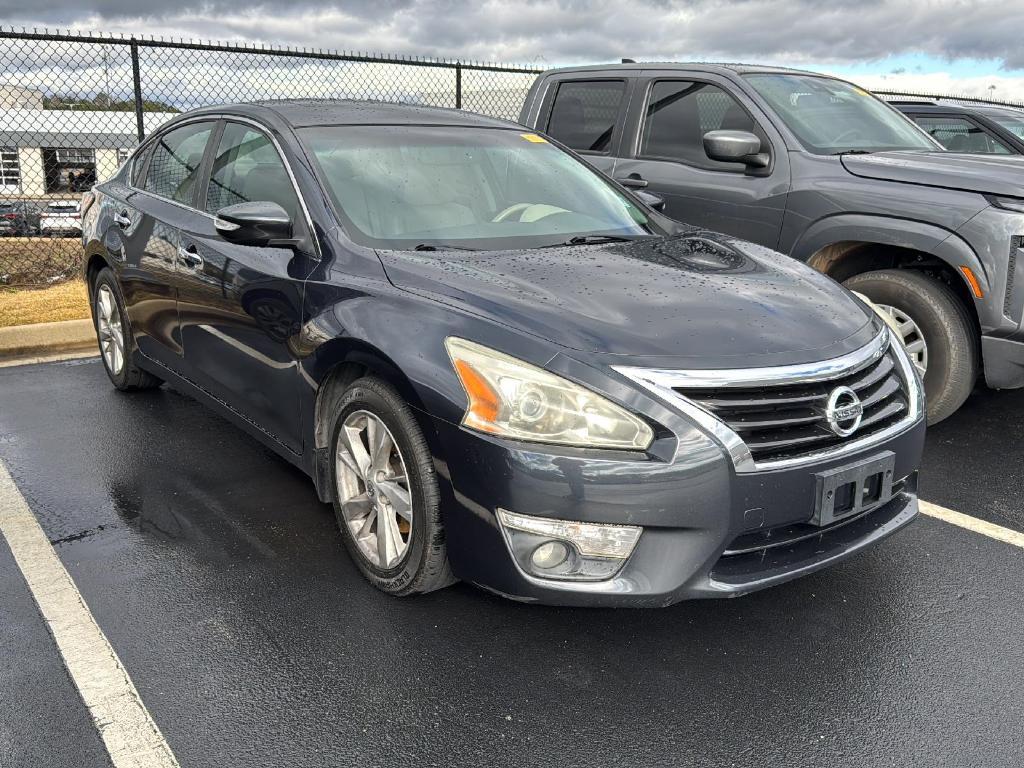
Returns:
<point x="122" y="220"/>
<point x="189" y="258"/>
<point x="633" y="181"/>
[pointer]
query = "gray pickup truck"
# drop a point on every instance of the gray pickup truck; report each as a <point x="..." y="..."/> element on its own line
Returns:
<point x="820" y="169"/>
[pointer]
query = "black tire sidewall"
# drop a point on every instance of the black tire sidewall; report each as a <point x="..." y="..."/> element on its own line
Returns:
<point x="945" y="325"/>
<point x="377" y="398"/>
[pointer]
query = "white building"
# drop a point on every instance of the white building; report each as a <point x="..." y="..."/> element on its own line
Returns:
<point x="56" y="152"/>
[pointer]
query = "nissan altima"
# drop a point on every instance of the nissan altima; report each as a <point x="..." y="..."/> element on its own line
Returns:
<point x="495" y="363"/>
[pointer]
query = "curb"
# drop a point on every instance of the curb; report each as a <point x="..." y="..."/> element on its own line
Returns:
<point x="46" y="338"/>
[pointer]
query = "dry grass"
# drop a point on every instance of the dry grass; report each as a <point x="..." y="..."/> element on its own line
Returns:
<point x="39" y="260"/>
<point x="25" y="306"/>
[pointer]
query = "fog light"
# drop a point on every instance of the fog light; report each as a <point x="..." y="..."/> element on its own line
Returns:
<point x="550" y="555"/>
<point x="568" y="549"/>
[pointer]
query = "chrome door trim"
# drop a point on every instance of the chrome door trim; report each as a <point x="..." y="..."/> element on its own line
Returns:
<point x="214" y="118"/>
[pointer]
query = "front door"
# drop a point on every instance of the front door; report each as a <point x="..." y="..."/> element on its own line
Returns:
<point x="666" y="156"/>
<point x="240" y="306"/>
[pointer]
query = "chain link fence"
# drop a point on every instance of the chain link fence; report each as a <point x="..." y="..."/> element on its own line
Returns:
<point x="72" y="107"/>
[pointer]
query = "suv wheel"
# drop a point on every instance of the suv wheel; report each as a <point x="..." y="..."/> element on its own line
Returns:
<point x="936" y="330"/>
<point x="115" y="338"/>
<point x="386" y="497"/>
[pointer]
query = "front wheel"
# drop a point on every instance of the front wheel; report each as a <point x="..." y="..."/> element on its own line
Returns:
<point x="935" y="328"/>
<point x="386" y="496"/>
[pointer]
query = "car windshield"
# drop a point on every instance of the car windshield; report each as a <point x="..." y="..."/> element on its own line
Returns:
<point x="405" y="186"/>
<point x="831" y="116"/>
<point x="1013" y="123"/>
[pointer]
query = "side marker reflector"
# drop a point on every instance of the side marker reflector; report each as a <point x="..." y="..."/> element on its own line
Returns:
<point x="973" y="282"/>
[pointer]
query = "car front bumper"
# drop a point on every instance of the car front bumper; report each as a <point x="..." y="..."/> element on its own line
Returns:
<point x="707" y="531"/>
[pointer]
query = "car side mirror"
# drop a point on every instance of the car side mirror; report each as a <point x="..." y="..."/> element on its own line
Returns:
<point x="259" y="223"/>
<point x="735" y="147"/>
<point x="651" y="200"/>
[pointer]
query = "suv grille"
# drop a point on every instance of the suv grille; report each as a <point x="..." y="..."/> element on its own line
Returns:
<point x="788" y="421"/>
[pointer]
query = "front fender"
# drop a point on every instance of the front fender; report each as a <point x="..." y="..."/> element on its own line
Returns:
<point x="943" y="244"/>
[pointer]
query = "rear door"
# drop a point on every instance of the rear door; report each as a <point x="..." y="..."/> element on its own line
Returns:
<point x="148" y="218"/>
<point x="240" y="306"/>
<point x="662" y="150"/>
<point x="586" y="114"/>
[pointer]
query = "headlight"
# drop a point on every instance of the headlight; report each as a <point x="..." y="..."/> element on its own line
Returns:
<point x="515" y="399"/>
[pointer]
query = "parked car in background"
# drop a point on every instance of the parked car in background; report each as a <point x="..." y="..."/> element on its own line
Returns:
<point x="496" y="363"/>
<point x="62" y="217"/>
<point x="972" y="128"/>
<point x="19" y="218"/>
<point x="821" y="170"/>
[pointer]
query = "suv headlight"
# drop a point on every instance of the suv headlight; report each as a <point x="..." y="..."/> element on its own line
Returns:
<point x="515" y="399"/>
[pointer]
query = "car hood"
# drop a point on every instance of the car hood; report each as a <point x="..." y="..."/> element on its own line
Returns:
<point x="993" y="174"/>
<point x="702" y="296"/>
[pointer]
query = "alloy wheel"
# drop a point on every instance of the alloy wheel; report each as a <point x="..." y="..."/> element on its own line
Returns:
<point x="373" y="489"/>
<point x="911" y="336"/>
<point x="110" y="330"/>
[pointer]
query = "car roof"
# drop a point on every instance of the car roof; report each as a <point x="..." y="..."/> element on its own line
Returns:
<point x="700" y="66"/>
<point x="924" y="107"/>
<point x="304" y="113"/>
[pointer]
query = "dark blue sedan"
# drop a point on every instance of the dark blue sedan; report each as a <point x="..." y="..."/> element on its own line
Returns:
<point x="497" y="364"/>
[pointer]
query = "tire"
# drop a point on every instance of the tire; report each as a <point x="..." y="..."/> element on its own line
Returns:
<point x="123" y="372"/>
<point x="423" y="566"/>
<point x="946" y="327"/>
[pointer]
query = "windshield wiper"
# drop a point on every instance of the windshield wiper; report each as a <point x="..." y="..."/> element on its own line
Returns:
<point x="591" y="239"/>
<point x="441" y="247"/>
<point x="852" y="152"/>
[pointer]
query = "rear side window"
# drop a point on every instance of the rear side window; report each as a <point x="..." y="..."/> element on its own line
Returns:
<point x="679" y="113"/>
<point x="960" y="135"/>
<point x="247" y="168"/>
<point x="584" y="113"/>
<point x="175" y="161"/>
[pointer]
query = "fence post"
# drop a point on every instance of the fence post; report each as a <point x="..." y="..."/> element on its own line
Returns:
<point x="458" y="85"/>
<point x="137" y="82"/>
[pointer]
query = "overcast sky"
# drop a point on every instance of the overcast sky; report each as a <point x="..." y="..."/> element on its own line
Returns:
<point x="947" y="45"/>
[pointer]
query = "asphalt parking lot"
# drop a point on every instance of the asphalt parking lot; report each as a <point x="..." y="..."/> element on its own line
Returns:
<point x="221" y="583"/>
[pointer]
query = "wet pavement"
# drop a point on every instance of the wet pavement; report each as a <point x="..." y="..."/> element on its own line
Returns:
<point x="222" y="584"/>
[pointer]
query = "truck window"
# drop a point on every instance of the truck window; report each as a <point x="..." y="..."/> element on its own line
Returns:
<point x="959" y="135"/>
<point x="679" y="113"/>
<point x="584" y="113"/>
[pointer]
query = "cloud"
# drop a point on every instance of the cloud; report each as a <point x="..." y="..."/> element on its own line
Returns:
<point x="814" y="33"/>
<point x="577" y="30"/>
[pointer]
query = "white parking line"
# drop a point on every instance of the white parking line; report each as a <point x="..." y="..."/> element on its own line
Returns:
<point x="128" y="732"/>
<point x="973" y="524"/>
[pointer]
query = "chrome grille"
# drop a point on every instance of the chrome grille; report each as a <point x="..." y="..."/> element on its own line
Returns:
<point x="787" y="420"/>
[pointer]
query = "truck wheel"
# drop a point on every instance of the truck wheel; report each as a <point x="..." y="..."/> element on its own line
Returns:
<point x="937" y="331"/>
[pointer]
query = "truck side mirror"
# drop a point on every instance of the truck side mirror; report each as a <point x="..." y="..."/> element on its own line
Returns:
<point x="657" y="202"/>
<point x="735" y="147"/>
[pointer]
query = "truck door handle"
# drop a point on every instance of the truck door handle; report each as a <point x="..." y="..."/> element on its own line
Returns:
<point x="122" y="220"/>
<point x="189" y="258"/>
<point x="633" y="181"/>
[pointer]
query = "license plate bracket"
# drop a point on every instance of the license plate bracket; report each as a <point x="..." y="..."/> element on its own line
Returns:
<point x="847" y="491"/>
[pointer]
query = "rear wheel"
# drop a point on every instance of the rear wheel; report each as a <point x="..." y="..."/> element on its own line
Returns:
<point x="935" y="328"/>
<point x="386" y="497"/>
<point x="115" y="338"/>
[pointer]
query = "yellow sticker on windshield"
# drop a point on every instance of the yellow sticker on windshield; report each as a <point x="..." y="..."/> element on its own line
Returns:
<point x="534" y="138"/>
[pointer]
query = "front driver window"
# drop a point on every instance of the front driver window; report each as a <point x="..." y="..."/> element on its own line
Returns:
<point x="175" y="162"/>
<point x="247" y="169"/>
<point x="679" y="113"/>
